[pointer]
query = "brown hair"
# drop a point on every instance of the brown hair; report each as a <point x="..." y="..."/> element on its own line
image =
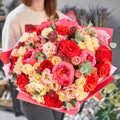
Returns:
<point x="49" y="5"/>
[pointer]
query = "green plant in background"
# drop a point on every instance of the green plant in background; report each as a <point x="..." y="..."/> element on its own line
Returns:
<point x="97" y="15"/>
<point x="109" y="108"/>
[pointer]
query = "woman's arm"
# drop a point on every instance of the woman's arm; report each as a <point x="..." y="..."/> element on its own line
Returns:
<point x="11" y="32"/>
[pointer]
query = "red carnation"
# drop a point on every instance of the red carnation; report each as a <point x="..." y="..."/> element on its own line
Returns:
<point x="22" y="81"/>
<point x="37" y="28"/>
<point x="91" y="82"/>
<point x="62" y="30"/>
<point x="46" y="64"/>
<point x="52" y="100"/>
<point x="69" y="49"/>
<point x="13" y="60"/>
<point x="103" y="69"/>
<point x="103" y="54"/>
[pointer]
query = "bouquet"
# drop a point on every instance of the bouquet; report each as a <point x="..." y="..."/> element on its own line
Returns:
<point x="59" y="64"/>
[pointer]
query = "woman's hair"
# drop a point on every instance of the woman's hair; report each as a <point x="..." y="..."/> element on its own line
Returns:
<point x="49" y="5"/>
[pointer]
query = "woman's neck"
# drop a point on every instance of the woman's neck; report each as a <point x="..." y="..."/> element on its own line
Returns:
<point x="38" y="6"/>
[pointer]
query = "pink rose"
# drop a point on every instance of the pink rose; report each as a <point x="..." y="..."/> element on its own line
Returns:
<point x="29" y="58"/>
<point x="64" y="73"/>
<point x="88" y="55"/>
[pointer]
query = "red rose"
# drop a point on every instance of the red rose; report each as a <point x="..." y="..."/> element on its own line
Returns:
<point x="52" y="100"/>
<point x="46" y="64"/>
<point x="29" y="58"/>
<point x="91" y="82"/>
<point x="62" y="30"/>
<point x="69" y="49"/>
<point x="13" y="60"/>
<point x="22" y="81"/>
<point x="103" y="53"/>
<point x="103" y="69"/>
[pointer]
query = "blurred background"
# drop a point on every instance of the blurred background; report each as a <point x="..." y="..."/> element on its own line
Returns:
<point x="102" y="13"/>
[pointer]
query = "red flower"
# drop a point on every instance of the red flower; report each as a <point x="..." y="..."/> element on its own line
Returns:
<point x="22" y="81"/>
<point x="62" y="30"/>
<point x="103" y="69"/>
<point x="36" y="28"/>
<point x="103" y="53"/>
<point x="13" y="61"/>
<point x="46" y="64"/>
<point x="52" y="100"/>
<point x="69" y="49"/>
<point x="32" y="28"/>
<point x="64" y="73"/>
<point x="91" y="82"/>
<point x="29" y="58"/>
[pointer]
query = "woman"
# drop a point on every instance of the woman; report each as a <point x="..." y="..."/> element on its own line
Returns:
<point x="30" y="12"/>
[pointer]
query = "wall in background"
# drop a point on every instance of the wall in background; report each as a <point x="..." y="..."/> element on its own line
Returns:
<point x="114" y="22"/>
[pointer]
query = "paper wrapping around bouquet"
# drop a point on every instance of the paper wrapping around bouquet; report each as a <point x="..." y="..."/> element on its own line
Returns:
<point x="101" y="85"/>
<point x="4" y="56"/>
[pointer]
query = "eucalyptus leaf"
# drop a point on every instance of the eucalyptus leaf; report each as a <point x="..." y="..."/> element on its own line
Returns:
<point x="113" y="45"/>
<point x="78" y="37"/>
<point x="40" y="59"/>
<point x="38" y="54"/>
<point x="86" y="68"/>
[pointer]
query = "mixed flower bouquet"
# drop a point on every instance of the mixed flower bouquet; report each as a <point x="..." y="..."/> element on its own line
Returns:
<point x="59" y="64"/>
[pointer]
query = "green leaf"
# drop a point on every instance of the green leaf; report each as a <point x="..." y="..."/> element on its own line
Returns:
<point x="38" y="54"/>
<point x="31" y="45"/>
<point x="53" y="26"/>
<point x="78" y="37"/>
<point x="72" y="102"/>
<point x="14" y="78"/>
<point x="113" y="45"/>
<point x="40" y="59"/>
<point x="53" y="18"/>
<point x="68" y="106"/>
<point x="109" y="88"/>
<point x="86" y="68"/>
<point x="111" y="107"/>
<point x="90" y="24"/>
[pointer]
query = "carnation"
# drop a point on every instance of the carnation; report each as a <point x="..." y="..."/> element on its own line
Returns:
<point x="22" y="81"/>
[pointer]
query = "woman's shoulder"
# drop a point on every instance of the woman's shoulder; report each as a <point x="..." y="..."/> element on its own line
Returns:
<point x="16" y="13"/>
